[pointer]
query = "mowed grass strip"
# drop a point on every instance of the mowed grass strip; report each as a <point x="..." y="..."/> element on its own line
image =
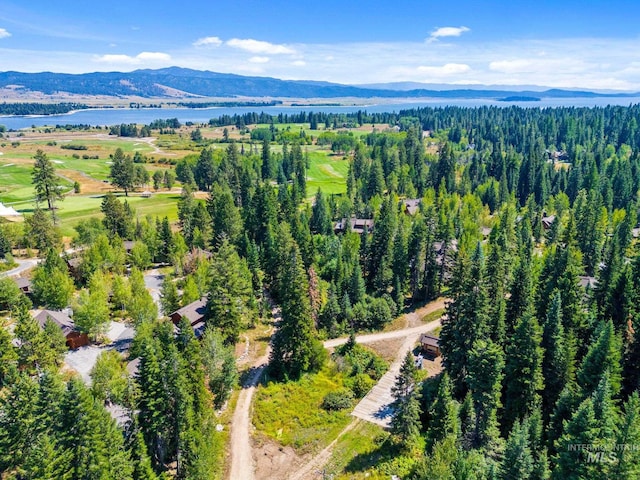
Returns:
<point x="327" y="172"/>
<point x="291" y="412"/>
<point x="76" y="208"/>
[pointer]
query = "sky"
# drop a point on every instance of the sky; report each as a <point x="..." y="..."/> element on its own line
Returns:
<point x="591" y="44"/>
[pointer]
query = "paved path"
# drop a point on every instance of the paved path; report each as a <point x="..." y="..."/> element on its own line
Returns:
<point x="23" y="265"/>
<point x="153" y="282"/>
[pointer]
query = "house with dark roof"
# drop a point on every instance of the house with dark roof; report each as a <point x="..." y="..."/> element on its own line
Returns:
<point x="74" y="338"/>
<point x="356" y="225"/>
<point x="194" y="312"/>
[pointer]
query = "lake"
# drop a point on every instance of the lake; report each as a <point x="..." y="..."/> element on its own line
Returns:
<point x="113" y="116"/>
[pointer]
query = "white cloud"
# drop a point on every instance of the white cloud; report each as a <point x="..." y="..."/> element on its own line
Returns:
<point x="4" y="33"/>
<point x="137" y="60"/>
<point x="299" y="63"/>
<point x="447" y="32"/>
<point x="445" y="70"/>
<point x="259" y="59"/>
<point x="208" y="41"/>
<point x="511" y="66"/>
<point x="154" y="56"/>
<point x="258" y="46"/>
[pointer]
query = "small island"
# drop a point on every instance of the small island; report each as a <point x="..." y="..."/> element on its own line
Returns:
<point x="519" y="98"/>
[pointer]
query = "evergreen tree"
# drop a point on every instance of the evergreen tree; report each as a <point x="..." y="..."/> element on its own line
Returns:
<point x="117" y="219"/>
<point x="627" y="464"/>
<point x="518" y="460"/>
<point x="8" y="358"/>
<point x="486" y="363"/>
<point x="581" y="430"/>
<point x="443" y="412"/>
<point x="320" y="221"/>
<point x="122" y="171"/>
<point x="557" y="359"/>
<point x="169" y="298"/>
<point x="141" y="307"/>
<point x="91" y="438"/>
<point x="18" y="422"/>
<point x="406" y="419"/>
<point x="230" y="292"/>
<point x="295" y="347"/>
<point x="466" y="321"/>
<point x="603" y="356"/>
<point x="142" y="469"/>
<point x="523" y="372"/>
<point x="40" y="232"/>
<point x="220" y="366"/>
<point x="45" y="181"/>
<point x="225" y="216"/>
<point x="5" y="245"/>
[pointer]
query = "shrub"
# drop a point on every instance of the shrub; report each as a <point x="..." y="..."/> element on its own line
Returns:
<point x="360" y="384"/>
<point x="338" y="400"/>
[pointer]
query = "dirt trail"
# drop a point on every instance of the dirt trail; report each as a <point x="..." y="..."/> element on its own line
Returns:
<point x="243" y="465"/>
<point x="309" y="470"/>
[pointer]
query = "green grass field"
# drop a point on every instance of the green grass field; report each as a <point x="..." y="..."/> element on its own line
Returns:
<point x="290" y="413"/>
<point x="351" y="453"/>
<point x="76" y="208"/>
<point x="327" y="172"/>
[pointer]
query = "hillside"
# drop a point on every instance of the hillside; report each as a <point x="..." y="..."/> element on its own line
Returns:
<point x="177" y="82"/>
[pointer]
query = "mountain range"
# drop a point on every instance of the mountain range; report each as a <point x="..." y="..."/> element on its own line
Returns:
<point x="175" y="82"/>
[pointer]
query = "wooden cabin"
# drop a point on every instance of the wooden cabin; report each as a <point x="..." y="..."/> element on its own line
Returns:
<point x="194" y="312"/>
<point x="430" y="345"/>
<point x="75" y="339"/>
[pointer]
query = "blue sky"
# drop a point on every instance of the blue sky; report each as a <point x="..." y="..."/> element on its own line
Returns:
<point x="585" y="44"/>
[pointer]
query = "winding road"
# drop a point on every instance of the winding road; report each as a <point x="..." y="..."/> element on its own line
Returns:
<point x="23" y="265"/>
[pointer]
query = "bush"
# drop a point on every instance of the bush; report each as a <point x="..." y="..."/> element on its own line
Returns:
<point x="338" y="400"/>
<point x="360" y="384"/>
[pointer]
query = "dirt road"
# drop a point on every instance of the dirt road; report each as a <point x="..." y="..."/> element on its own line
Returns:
<point x="242" y="461"/>
<point x="376" y="337"/>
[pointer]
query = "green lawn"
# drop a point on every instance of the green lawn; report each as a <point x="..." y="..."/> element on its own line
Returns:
<point x="327" y="172"/>
<point x="76" y="208"/>
<point x="356" y="451"/>
<point x="290" y="413"/>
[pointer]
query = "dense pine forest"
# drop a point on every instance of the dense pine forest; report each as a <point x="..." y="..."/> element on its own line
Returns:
<point x="525" y="219"/>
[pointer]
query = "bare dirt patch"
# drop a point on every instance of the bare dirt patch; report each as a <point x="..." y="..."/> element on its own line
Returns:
<point x="87" y="183"/>
<point x="275" y="461"/>
<point x="387" y="349"/>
